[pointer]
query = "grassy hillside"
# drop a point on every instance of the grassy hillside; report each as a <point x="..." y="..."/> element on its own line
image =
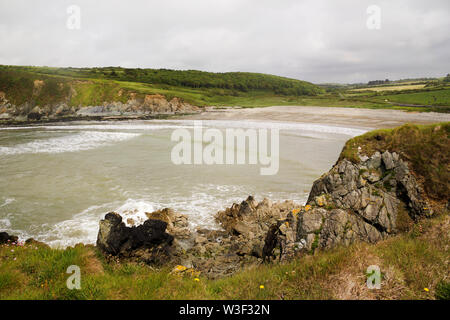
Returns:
<point x="217" y="84"/>
<point x="414" y="265"/>
<point x="238" y="81"/>
<point x="93" y="86"/>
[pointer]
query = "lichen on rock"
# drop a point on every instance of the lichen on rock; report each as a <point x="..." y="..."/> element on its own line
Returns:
<point x="359" y="201"/>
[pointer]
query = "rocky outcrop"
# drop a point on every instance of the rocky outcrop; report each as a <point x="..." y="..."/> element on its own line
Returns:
<point x="148" y="242"/>
<point x="177" y="223"/>
<point x="137" y="106"/>
<point x="247" y="224"/>
<point x="242" y="242"/>
<point x="7" y="238"/>
<point x="148" y="105"/>
<point x="369" y="200"/>
<point x="365" y="201"/>
<point x="166" y="237"/>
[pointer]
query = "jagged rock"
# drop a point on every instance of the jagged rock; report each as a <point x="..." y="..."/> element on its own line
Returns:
<point x="200" y="240"/>
<point x="388" y="160"/>
<point x="367" y="195"/>
<point x="148" y="241"/>
<point x="177" y="223"/>
<point x="35" y="114"/>
<point x="249" y="222"/>
<point x="374" y="162"/>
<point x="252" y="217"/>
<point x="136" y="106"/>
<point x="245" y="225"/>
<point x="6" y="238"/>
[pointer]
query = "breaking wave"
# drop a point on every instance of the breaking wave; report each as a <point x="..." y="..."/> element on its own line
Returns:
<point x="70" y="143"/>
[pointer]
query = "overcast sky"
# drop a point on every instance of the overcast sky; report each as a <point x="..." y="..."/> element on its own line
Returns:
<point x="319" y="41"/>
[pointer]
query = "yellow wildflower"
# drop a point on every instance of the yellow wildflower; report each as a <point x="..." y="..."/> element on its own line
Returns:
<point x="261" y="286"/>
<point x="426" y="289"/>
<point x="295" y="211"/>
<point x="180" y="268"/>
<point x="197" y="279"/>
<point x="307" y="207"/>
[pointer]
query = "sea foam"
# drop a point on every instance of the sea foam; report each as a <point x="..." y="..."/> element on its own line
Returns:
<point x="70" y="143"/>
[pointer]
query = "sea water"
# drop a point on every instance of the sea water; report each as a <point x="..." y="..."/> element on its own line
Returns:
<point x="58" y="181"/>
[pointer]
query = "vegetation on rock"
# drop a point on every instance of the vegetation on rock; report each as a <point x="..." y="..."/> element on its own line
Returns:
<point x="426" y="148"/>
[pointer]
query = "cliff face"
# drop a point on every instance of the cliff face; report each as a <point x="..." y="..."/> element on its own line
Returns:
<point x="50" y="100"/>
<point x="383" y="182"/>
<point x="365" y="201"/>
<point x="147" y="105"/>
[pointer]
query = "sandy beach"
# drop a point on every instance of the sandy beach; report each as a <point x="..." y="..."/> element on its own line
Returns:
<point x="351" y="117"/>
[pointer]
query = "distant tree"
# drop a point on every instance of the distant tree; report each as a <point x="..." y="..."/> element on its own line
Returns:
<point x="447" y="78"/>
<point x="377" y="82"/>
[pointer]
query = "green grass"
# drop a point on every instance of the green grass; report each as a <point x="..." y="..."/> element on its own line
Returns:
<point x="432" y="98"/>
<point x="425" y="147"/>
<point x="231" y="81"/>
<point x="409" y="263"/>
<point x="443" y="290"/>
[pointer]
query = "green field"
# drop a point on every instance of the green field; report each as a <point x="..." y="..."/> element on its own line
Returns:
<point x="431" y="98"/>
<point x="94" y="86"/>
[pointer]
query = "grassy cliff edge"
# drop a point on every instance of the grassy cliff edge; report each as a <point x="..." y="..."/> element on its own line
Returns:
<point x="413" y="264"/>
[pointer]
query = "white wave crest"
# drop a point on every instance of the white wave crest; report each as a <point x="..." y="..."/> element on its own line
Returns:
<point x="7" y="201"/>
<point x="71" y="143"/>
<point x="83" y="227"/>
<point x="174" y="124"/>
<point x="291" y="126"/>
<point x="134" y="212"/>
<point x="5" y="223"/>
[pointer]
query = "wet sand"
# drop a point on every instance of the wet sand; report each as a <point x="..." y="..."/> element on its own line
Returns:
<point x="349" y="117"/>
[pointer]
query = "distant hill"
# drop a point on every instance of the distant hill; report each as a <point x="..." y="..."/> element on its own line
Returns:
<point x="237" y="81"/>
<point x="22" y="88"/>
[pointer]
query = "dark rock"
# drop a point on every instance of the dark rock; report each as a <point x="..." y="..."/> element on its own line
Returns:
<point x="275" y="238"/>
<point x="378" y="137"/>
<point x="5" y="238"/>
<point x="177" y="224"/>
<point x="117" y="239"/>
<point x="34" y="116"/>
<point x="112" y="234"/>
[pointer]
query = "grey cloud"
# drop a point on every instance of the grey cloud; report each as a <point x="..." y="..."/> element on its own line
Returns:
<point x="319" y="41"/>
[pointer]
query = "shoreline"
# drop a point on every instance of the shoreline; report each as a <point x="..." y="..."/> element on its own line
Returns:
<point x="338" y="116"/>
<point x="351" y="117"/>
<point x="99" y="118"/>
